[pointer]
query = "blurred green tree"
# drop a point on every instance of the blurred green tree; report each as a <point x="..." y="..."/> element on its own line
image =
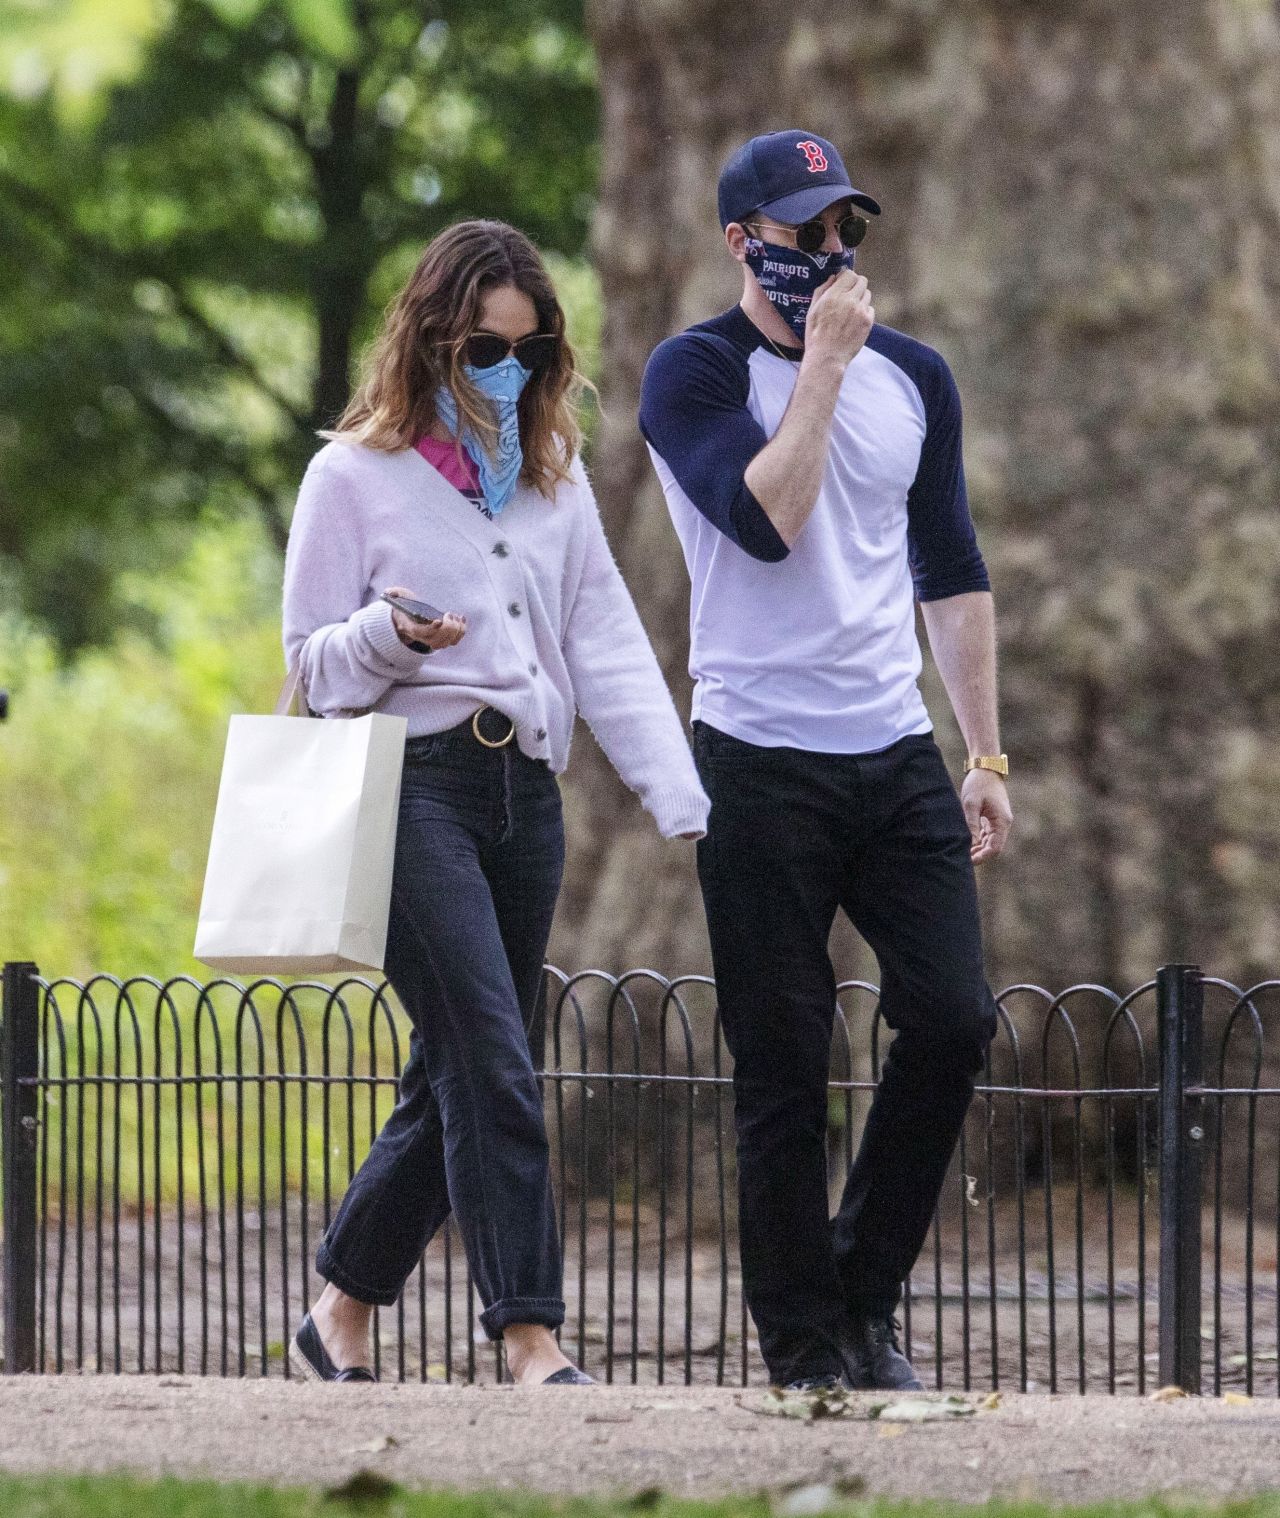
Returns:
<point x="193" y="259"/>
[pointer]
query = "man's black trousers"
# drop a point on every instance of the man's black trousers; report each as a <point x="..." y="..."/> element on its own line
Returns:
<point x="793" y="836"/>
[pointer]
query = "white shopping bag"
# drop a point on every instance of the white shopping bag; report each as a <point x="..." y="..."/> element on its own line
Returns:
<point x="299" y="873"/>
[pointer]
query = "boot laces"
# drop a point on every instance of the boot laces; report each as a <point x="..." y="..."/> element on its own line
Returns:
<point x="885" y="1331"/>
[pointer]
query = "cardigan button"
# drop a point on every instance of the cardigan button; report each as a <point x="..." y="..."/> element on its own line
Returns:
<point x="542" y="733"/>
<point x="514" y="608"/>
<point x="533" y="669"/>
<point x="501" y="550"/>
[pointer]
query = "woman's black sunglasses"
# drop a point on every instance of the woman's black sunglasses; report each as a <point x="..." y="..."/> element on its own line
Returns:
<point x="810" y="235"/>
<point x="535" y="352"/>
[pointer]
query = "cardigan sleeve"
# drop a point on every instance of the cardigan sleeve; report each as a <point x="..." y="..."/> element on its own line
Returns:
<point x="619" y="689"/>
<point x="350" y="654"/>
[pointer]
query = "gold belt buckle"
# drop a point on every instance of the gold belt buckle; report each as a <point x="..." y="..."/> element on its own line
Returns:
<point x="488" y="742"/>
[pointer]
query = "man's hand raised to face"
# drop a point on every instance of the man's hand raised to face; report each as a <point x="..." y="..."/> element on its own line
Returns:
<point x="786" y="474"/>
<point x="840" y="318"/>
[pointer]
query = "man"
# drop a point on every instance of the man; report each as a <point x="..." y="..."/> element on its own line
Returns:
<point x="811" y="463"/>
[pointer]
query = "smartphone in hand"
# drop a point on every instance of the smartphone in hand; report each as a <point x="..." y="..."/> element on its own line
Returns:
<point x="420" y="611"/>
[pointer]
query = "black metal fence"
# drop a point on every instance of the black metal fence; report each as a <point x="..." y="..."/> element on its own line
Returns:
<point x="173" y="1150"/>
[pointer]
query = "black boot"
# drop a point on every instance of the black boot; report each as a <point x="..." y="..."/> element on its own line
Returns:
<point x="873" y="1357"/>
<point x="808" y="1384"/>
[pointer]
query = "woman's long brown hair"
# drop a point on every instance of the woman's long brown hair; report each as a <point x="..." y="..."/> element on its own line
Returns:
<point x="420" y="348"/>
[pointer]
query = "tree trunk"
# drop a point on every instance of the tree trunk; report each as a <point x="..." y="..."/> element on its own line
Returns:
<point x="1080" y="203"/>
<point x="347" y="252"/>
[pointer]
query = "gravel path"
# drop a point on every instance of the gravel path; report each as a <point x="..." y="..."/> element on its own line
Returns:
<point x="623" y="1440"/>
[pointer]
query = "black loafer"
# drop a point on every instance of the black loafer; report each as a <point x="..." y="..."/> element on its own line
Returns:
<point x="873" y="1357"/>
<point x="308" y="1353"/>
<point x="569" y="1375"/>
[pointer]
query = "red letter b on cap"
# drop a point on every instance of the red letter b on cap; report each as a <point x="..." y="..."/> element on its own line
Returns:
<point x="817" y="158"/>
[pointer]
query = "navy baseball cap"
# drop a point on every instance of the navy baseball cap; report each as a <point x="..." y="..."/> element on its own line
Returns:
<point x="791" y="176"/>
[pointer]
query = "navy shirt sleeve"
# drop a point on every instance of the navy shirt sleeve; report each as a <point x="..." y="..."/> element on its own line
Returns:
<point x="693" y="413"/>
<point x="942" y="546"/>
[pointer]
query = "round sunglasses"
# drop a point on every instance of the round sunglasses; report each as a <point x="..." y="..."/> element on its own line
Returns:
<point x="810" y="235"/>
<point x="536" y="352"/>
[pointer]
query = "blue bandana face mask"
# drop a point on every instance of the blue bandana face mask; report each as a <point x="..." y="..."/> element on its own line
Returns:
<point x="502" y="384"/>
<point x="790" y="278"/>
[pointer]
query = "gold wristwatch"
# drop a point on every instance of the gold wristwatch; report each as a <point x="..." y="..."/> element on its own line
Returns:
<point x="998" y="764"/>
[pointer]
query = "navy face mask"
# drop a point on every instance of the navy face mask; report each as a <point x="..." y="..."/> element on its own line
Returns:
<point x="790" y="278"/>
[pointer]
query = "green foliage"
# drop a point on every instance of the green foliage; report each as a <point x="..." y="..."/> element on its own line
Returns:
<point x="195" y="254"/>
<point x="109" y="765"/>
<point x="69" y="50"/>
<point x="129" y="1497"/>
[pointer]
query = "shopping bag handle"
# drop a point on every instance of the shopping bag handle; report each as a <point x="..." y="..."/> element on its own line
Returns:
<point x="292" y="687"/>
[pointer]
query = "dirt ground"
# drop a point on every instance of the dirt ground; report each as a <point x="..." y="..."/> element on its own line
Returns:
<point x="690" y="1441"/>
<point x="1051" y="1326"/>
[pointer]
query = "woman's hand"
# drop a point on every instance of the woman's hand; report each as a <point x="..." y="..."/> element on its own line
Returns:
<point x="443" y="633"/>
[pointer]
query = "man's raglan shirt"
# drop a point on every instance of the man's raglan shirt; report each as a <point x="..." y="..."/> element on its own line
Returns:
<point x="814" y="648"/>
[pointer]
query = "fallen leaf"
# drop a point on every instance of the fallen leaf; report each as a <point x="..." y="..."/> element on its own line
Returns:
<point x="1237" y="1399"/>
<point x="810" y="1498"/>
<point x="807" y="1501"/>
<point x="607" y="1418"/>
<point x="917" y="1410"/>
<point x="375" y="1446"/>
<point x="809" y="1406"/>
<point x="893" y="1431"/>
<point x="364" y="1489"/>
<point x="1167" y="1394"/>
<point x="990" y="1402"/>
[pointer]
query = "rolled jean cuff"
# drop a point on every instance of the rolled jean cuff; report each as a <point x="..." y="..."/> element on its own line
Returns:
<point x="549" y="1311"/>
<point x="328" y="1269"/>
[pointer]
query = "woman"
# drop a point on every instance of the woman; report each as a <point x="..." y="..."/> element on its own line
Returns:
<point x="453" y="477"/>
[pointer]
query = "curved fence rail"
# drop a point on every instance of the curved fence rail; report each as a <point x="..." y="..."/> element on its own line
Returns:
<point x="174" y="1150"/>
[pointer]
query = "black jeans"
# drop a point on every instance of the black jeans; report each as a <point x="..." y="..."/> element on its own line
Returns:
<point x="792" y="837"/>
<point x="479" y="856"/>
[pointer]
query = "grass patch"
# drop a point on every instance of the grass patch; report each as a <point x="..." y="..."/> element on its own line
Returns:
<point x="124" y="1497"/>
<point x="148" y="1142"/>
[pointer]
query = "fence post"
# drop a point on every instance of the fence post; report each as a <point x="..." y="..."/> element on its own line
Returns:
<point x="19" y="1061"/>
<point x="1180" y="1008"/>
